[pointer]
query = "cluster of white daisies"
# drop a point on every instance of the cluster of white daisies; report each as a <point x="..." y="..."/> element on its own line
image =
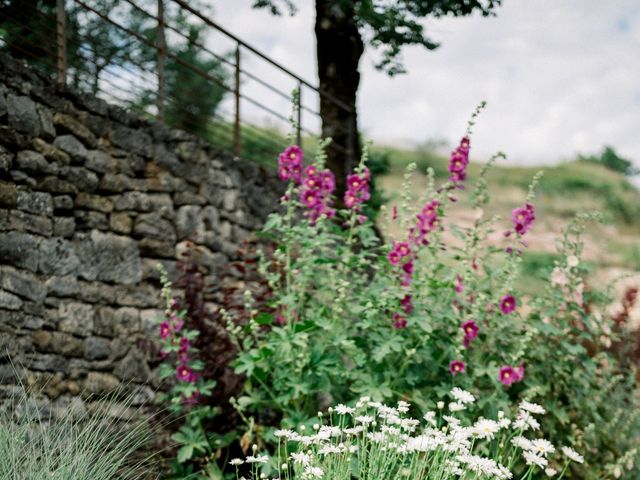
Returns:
<point x="387" y="444"/>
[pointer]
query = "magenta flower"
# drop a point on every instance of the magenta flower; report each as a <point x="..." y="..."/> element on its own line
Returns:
<point x="290" y="164"/>
<point x="427" y="219"/>
<point x="459" y="284"/>
<point x="399" y="321"/>
<point x="508" y="304"/>
<point x="456" y="367"/>
<point x="184" y="345"/>
<point x="184" y="373"/>
<point x="507" y="375"/>
<point x="165" y="330"/>
<point x="393" y="257"/>
<point x="280" y="319"/>
<point x="316" y="192"/>
<point x="178" y="324"/>
<point x="523" y="218"/>
<point x="407" y="304"/>
<point x="459" y="161"/>
<point x="520" y="372"/>
<point x="357" y="190"/>
<point x="470" y="329"/>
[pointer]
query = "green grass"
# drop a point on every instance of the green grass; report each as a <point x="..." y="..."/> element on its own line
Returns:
<point x="76" y="446"/>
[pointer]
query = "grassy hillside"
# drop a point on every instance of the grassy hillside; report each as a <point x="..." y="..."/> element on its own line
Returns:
<point x="566" y="189"/>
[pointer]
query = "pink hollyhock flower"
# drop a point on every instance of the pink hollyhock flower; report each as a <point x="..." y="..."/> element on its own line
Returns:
<point x="357" y="190"/>
<point x="508" y="304"/>
<point x="403" y="248"/>
<point x="184" y="345"/>
<point x="399" y="321"/>
<point x="457" y="366"/>
<point x="394" y="213"/>
<point x="523" y="218"/>
<point x="178" y="324"/>
<point x="459" y="284"/>
<point x="470" y="329"/>
<point x="393" y="257"/>
<point x="407" y="304"/>
<point x="507" y="375"/>
<point x="520" y="372"/>
<point x="279" y="319"/>
<point x="459" y="161"/>
<point x="290" y="163"/>
<point x="165" y="330"/>
<point x="184" y="373"/>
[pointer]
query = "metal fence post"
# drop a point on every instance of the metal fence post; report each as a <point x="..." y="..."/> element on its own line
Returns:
<point x="61" y="37"/>
<point x="161" y="51"/>
<point x="299" y="119"/>
<point x="236" y="126"/>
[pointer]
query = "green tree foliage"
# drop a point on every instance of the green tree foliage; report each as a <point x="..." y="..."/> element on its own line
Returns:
<point x="610" y="159"/>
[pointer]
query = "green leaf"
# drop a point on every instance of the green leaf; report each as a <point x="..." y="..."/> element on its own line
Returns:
<point x="185" y="453"/>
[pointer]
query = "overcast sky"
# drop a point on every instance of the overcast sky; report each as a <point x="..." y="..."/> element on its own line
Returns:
<point x="559" y="76"/>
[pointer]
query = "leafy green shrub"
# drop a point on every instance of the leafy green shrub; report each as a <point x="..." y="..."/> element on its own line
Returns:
<point x="412" y="318"/>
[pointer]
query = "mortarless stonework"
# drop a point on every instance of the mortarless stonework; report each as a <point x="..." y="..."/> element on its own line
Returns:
<point x="91" y="199"/>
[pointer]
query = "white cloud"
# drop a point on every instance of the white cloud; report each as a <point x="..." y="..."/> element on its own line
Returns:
<point x="560" y="77"/>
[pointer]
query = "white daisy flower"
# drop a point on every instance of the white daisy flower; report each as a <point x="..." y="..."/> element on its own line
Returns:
<point x="403" y="407"/>
<point x="258" y="459"/>
<point x="236" y="461"/>
<point x="542" y="447"/>
<point x="571" y="454"/>
<point x="521" y="442"/>
<point x="550" y="472"/>
<point x="313" y="472"/>
<point x="344" y="410"/>
<point x="533" y="459"/>
<point x="301" y="457"/>
<point x="364" y="419"/>
<point x="486" y="429"/>
<point x="462" y="396"/>
<point x="532" y="408"/>
<point x="456" y="407"/>
<point x="284" y="433"/>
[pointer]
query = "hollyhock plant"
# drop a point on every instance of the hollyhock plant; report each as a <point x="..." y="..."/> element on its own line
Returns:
<point x="459" y="161"/>
<point x="380" y="319"/>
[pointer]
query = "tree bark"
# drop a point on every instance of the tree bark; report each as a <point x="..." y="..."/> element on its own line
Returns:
<point x="339" y="48"/>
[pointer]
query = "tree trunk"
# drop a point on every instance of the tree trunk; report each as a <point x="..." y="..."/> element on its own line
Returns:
<point x="339" y="48"/>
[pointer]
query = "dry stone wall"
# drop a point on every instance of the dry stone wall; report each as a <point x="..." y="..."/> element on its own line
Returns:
<point x="91" y="199"/>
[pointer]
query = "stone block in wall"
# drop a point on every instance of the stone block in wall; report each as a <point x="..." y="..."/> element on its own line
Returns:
<point x="23" y="115"/>
<point x="39" y="203"/>
<point x="8" y="195"/>
<point x="6" y="159"/>
<point x="156" y="248"/>
<point x="101" y="162"/>
<point x="27" y="222"/>
<point x="34" y="162"/>
<point x="143" y="295"/>
<point x="44" y="362"/>
<point x="64" y="227"/>
<point x="58" y="342"/>
<point x="108" y="257"/>
<point x="150" y="268"/>
<point x="121" y="222"/>
<point x="19" y="249"/>
<point x="185" y="197"/>
<point x="22" y="178"/>
<point x="72" y="146"/>
<point x="110" y="322"/>
<point x="50" y="152"/>
<point x="101" y="383"/>
<point x="53" y="184"/>
<point x="136" y="201"/>
<point x="62" y="286"/>
<point x="153" y="226"/>
<point x="132" y="140"/>
<point x="57" y="257"/>
<point x="133" y="367"/>
<point x="76" y="318"/>
<point x="83" y="179"/>
<point x="97" y="348"/>
<point x="96" y="292"/>
<point x="189" y="221"/>
<point x="68" y="124"/>
<point x="93" y="202"/>
<point x="115" y="183"/>
<point x="62" y="202"/>
<point x="22" y="283"/>
<point x="21" y="320"/>
<point x="89" y="220"/>
<point x="9" y="301"/>
<point x="47" y="130"/>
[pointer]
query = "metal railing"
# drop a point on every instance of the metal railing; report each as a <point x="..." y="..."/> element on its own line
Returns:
<point x="251" y="118"/>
